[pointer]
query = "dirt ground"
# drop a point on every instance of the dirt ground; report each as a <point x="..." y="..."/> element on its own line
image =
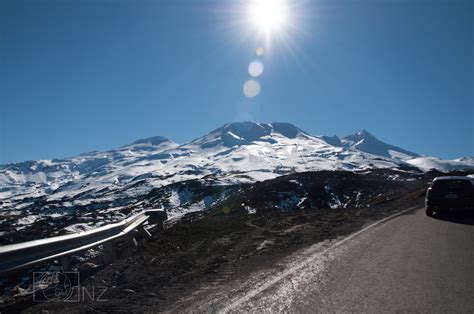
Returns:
<point x="196" y="256"/>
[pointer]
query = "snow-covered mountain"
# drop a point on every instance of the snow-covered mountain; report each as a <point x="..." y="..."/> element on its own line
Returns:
<point x="366" y="142"/>
<point x="234" y="153"/>
<point x="61" y="177"/>
<point x="48" y="197"/>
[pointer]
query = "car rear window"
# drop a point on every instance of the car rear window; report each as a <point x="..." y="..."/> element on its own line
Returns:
<point x="452" y="185"/>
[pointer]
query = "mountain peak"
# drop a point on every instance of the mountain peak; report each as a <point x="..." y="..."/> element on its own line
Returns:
<point x="361" y="135"/>
<point x="287" y="129"/>
<point x="246" y="132"/>
<point x="155" y="140"/>
<point x="365" y="133"/>
<point x="366" y="142"/>
<point x="332" y="140"/>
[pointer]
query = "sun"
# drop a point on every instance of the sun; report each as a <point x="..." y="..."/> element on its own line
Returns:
<point x="268" y="15"/>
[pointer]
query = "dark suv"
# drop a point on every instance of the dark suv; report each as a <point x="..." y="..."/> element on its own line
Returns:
<point x="450" y="193"/>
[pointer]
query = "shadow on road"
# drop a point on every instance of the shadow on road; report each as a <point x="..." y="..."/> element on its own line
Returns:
<point x="465" y="218"/>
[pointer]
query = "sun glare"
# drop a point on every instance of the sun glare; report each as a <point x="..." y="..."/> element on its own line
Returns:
<point x="268" y="15"/>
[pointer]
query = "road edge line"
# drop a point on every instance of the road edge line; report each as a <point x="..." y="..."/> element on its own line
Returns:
<point x="230" y="307"/>
<point x="375" y="224"/>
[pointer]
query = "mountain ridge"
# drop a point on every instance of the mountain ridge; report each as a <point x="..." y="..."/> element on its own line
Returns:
<point x="189" y="177"/>
<point x="283" y="128"/>
<point x="239" y="152"/>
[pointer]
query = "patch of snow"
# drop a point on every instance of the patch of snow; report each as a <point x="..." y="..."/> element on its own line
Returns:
<point x="80" y="227"/>
<point x="27" y="220"/>
<point x="429" y="163"/>
<point x="250" y="210"/>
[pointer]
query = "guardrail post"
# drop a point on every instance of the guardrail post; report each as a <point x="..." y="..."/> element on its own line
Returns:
<point x="143" y="232"/>
<point x="109" y="252"/>
<point x="132" y="240"/>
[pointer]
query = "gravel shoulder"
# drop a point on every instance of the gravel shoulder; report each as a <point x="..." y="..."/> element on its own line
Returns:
<point x="197" y="264"/>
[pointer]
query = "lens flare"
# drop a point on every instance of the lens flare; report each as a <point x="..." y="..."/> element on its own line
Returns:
<point x="251" y="88"/>
<point x="255" y="68"/>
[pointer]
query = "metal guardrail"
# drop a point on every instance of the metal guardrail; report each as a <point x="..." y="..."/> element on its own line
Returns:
<point x="18" y="256"/>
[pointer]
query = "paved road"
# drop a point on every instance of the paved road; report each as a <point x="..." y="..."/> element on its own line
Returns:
<point x="410" y="263"/>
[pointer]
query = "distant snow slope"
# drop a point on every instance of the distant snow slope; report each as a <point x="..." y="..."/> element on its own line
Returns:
<point x="233" y="153"/>
<point x="91" y="171"/>
<point x="429" y="163"/>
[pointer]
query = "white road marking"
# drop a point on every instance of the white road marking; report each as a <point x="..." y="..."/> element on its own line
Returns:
<point x="316" y="260"/>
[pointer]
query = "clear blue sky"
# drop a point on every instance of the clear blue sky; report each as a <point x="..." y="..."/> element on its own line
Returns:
<point x="77" y="75"/>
